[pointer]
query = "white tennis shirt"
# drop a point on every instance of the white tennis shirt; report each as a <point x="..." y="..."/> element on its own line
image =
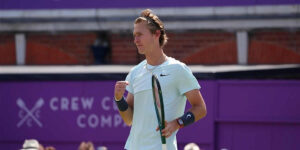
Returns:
<point x="175" y="79"/>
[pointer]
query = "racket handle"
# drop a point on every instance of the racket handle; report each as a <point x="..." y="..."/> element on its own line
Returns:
<point x="164" y="146"/>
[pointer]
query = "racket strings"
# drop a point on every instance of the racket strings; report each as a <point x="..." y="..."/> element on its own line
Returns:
<point x="157" y="101"/>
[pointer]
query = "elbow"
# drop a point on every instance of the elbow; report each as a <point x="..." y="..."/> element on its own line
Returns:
<point x="204" y="113"/>
<point x="128" y="123"/>
<point x="200" y="113"/>
<point x="203" y="110"/>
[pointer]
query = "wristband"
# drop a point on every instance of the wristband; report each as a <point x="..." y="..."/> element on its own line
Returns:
<point x="187" y="119"/>
<point x="122" y="104"/>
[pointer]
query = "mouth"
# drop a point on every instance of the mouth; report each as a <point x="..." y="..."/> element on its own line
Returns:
<point x="139" y="46"/>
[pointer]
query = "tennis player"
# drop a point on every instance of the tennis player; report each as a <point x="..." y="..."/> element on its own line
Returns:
<point x="177" y="82"/>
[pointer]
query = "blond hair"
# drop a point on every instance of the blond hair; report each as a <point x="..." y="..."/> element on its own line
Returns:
<point x="154" y="24"/>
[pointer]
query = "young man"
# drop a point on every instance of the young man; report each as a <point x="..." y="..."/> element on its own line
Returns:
<point x="177" y="82"/>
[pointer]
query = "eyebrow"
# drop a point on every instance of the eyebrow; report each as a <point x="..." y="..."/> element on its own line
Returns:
<point x="134" y="33"/>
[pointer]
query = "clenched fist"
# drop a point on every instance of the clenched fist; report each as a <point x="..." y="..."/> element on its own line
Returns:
<point x="120" y="89"/>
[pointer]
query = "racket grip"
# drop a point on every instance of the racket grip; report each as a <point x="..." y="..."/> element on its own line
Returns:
<point x="164" y="146"/>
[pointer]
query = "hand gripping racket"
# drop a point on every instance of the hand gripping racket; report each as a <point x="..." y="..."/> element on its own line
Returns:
<point x="159" y="108"/>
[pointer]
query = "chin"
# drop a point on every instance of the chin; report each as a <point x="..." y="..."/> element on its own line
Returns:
<point x="141" y="51"/>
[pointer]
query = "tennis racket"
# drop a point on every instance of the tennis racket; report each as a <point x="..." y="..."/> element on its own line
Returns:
<point x="159" y="108"/>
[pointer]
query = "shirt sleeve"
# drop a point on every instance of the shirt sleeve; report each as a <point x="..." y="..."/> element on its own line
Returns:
<point x="129" y="87"/>
<point x="186" y="81"/>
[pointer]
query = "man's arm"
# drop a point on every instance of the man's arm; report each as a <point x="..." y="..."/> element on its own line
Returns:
<point x="198" y="105"/>
<point x="125" y="106"/>
<point x="128" y="114"/>
<point x="198" y="110"/>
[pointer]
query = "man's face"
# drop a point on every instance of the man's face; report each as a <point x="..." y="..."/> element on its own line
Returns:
<point x="143" y="38"/>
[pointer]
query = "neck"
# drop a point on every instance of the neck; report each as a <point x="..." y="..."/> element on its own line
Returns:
<point x="156" y="57"/>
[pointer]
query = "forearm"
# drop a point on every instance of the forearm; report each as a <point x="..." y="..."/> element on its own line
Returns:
<point x="125" y="109"/>
<point x="198" y="111"/>
<point x="192" y="115"/>
<point x="196" y="100"/>
<point x="127" y="116"/>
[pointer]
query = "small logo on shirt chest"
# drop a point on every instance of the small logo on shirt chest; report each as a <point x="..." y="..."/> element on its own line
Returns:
<point x="163" y="74"/>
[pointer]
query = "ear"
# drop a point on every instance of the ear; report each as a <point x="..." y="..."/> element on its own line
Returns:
<point x="157" y="33"/>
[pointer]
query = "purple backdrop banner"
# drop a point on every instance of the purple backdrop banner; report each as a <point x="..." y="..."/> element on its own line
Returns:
<point x="246" y="115"/>
<point x="69" y="112"/>
<point x="78" y="4"/>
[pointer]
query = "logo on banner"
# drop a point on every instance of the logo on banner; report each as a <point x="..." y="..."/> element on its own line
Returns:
<point x="82" y="107"/>
<point x="29" y="116"/>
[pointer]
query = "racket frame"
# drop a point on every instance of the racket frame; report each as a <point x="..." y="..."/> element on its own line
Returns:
<point x="161" y="121"/>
